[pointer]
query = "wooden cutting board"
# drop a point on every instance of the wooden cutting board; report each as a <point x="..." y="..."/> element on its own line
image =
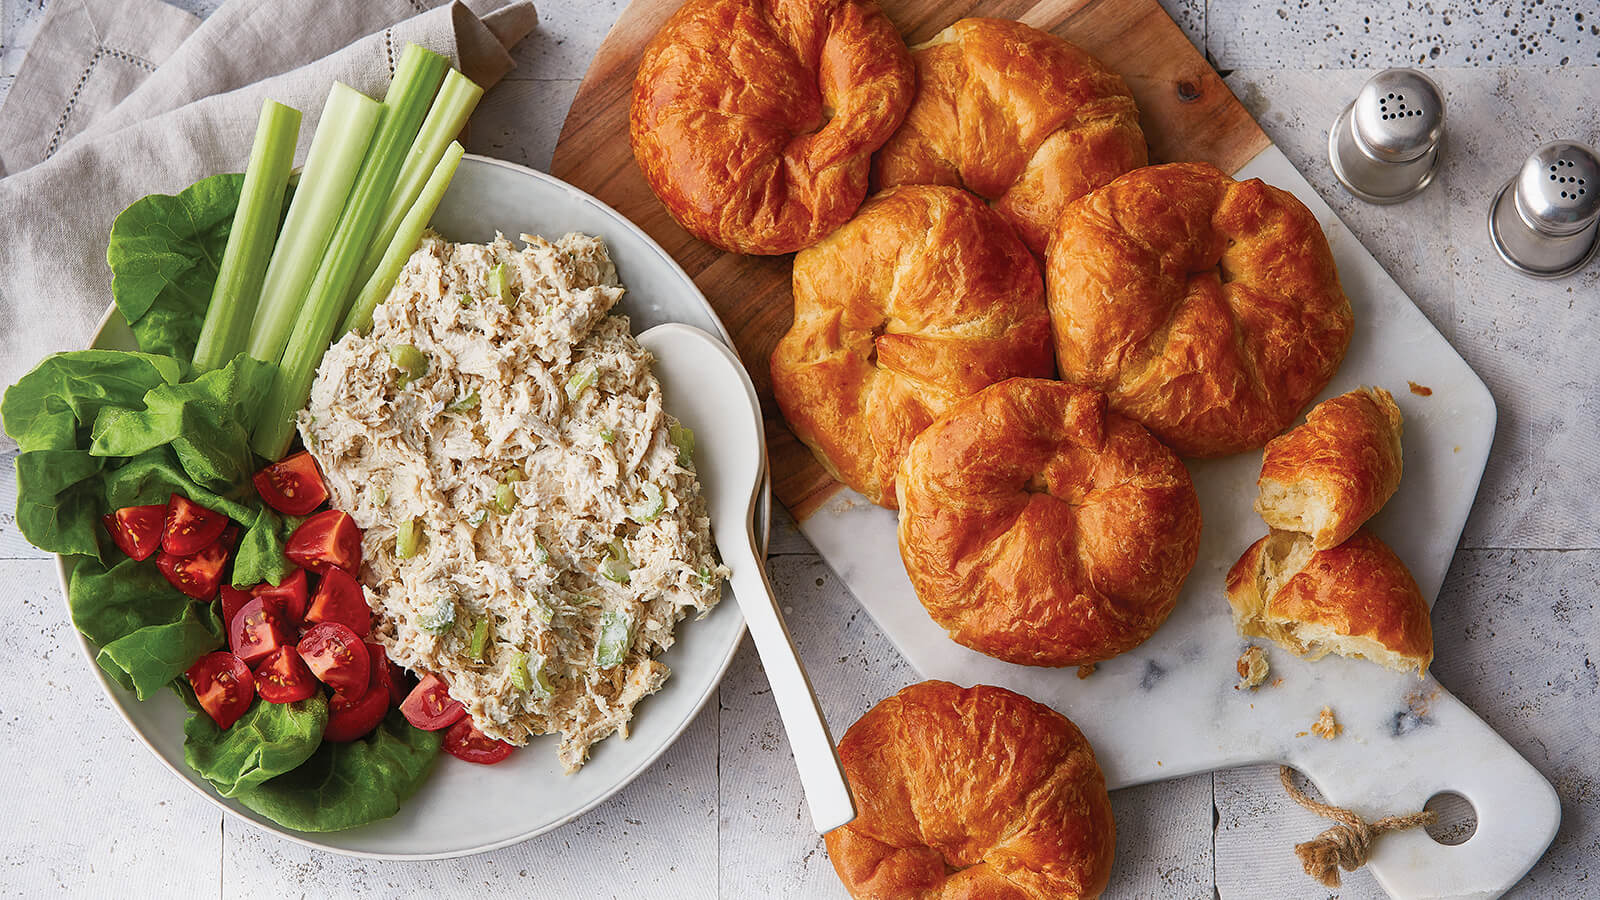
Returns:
<point x="1186" y="111"/>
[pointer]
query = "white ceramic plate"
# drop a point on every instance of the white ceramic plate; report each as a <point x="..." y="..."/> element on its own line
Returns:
<point x="464" y="808"/>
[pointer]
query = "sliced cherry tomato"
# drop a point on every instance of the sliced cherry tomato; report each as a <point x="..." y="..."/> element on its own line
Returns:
<point x="337" y="657"/>
<point x="283" y="677"/>
<point x="430" y="707"/>
<point x="190" y="527"/>
<point x="223" y="685"/>
<point x="292" y="485"/>
<point x="381" y="670"/>
<point x="465" y="741"/>
<point x="329" y="538"/>
<point x="351" y="719"/>
<point x="258" y="630"/>
<point x="233" y="600"/>
<point x="399" y="684"/>
<point x="136" y="530"/>
<point x="339" y="599"/>
<point x="230" y="537"/>
<point x="197" y="575"/>
<point x="290" y="595"/>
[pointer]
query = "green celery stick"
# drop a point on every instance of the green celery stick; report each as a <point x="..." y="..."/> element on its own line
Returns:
<point x="348" y="121"/>
<point x="403" y="242"/>
<point x="458" y="97"/>
<point x="250" y="239"/>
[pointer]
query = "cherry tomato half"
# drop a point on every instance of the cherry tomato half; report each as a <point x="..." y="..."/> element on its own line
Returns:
<point x="337" y="657"/>
<point x="382" y="670"/>
<point x="329" y="538"/>
<point x="339" y="599"/>
<point x="190" y="527"/>
<point x="258" y="630"/>
<point x="136" y="530"/>
<point x="223" y="685"/>
<point x="197" y="575"/>
<point x="465" y="741"/>
<point x="283" y="677"/>
<point x="233" y="600"/>
<point x="430" y="707"/>
<point x="290" y="595"/>
<point x="292" y="485"/>
<point x="351" y="719"/>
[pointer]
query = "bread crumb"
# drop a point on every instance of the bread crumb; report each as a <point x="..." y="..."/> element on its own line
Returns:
<point x="1301" y="733"/>
<point x="1326" y="727"/>
<point x="1084" y="671"/>
<point x="1421" y="390"/>
<point x="1252" y="666"/>
<point x="1277" y="681"/>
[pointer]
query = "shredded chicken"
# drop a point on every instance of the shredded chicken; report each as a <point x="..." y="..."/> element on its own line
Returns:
<point x="501" y="427"/>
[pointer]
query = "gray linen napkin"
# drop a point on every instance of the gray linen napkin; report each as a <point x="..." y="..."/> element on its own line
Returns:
<point x="189" y="96"/>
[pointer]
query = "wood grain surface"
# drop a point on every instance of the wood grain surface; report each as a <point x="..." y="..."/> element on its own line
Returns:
<point x="1185" y="109"/>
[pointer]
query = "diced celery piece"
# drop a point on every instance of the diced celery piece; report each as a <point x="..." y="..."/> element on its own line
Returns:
<point x="541" y="554"/>
<point x="650" y="507"/>
<point x="499" y="285"/>
<point x="521" y="678"/>
<point x="411" y="362"/>
<point x="480" y="639"/>
<point x="466" y="300"/>
<point x="608" y="436"/>
<point x="440" y="619"/>
<point x="616" y="636"/>
<point x="505" y="499"/>
<point x="514" y="475"/>
<point x="616" y="566"/>
<point x="682" y="437"/>
<point x="704" y="574"/>
<point x="380" y="494"/>
<point x="542" y="685"/>
<point x="579" y="383"/>
<point x="463" y="404"/>
<point x="477" y="517"/>
<point x="408" y="538"/>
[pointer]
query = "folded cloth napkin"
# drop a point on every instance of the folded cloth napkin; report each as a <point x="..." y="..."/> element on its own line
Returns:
<point x="117" y="99"/>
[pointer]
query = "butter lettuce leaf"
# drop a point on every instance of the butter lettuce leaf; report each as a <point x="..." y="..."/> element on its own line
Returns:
<point x="345" y="785"/>
<point x="148" y="632"/>
<point x="267" y="741"/>
<point x="164" y="253"/>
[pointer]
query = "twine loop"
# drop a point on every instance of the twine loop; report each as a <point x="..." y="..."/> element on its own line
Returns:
<point x="1348" y="844"/>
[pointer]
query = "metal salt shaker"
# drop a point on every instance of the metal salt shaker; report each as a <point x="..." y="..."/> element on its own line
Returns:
<point x="1545" y="222"/>
<point x="1384" y="147"/>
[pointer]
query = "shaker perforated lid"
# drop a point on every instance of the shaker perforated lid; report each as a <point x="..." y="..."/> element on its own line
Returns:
<point x="1546" y="221"/>
<point x="1384" y="147"/>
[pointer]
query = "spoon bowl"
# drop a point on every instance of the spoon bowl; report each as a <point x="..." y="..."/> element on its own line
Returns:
<point x="706" y="388"/>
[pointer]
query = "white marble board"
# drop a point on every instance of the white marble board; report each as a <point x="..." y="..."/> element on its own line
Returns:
<point x="1169" y="707"/>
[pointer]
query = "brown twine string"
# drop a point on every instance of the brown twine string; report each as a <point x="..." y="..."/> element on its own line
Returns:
<point x="1348" y="843"/>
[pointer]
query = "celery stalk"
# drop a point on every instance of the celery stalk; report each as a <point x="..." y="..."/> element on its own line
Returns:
<point x="402" y="242"/>
<point x="416" y="78"/>
<point x="348" y="121"/>
<point x="250" y="238"/>
<point x="456" y="101"/>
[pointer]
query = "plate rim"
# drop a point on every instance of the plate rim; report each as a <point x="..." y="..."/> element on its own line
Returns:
<point x="119" y="697"/>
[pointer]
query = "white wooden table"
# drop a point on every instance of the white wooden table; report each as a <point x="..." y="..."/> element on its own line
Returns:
<point x="91" y="812"/>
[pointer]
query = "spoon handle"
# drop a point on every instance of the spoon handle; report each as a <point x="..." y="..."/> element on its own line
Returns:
<point x="821" y="776"/>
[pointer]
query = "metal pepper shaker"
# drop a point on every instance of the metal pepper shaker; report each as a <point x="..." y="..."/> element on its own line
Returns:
<point x="1545" y="222"/>
<point x="1384" y="147"/>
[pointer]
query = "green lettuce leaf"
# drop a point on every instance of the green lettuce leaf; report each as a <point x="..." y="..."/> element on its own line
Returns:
<point x="60" y="499"/>
<point x="260" y="555"/>
<point x="205" y="420"/>
<point x="267" y="741"/>
<point x="149" y="633"/>
<point x="67" y="391"/>
<point x="164" y="253"/>
<point x="155" y="655"/>
<point x="344" y="785"/>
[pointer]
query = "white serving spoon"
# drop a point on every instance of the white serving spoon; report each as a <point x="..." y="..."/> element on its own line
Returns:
<point x="707" y="389"/>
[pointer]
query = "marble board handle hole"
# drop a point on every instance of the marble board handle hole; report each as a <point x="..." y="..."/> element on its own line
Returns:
<point x="1458" y="819"/>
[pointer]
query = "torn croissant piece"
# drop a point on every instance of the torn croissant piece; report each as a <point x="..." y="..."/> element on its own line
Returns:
<point x="1330" y="475"/>
<point x="1356" y="599"/>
